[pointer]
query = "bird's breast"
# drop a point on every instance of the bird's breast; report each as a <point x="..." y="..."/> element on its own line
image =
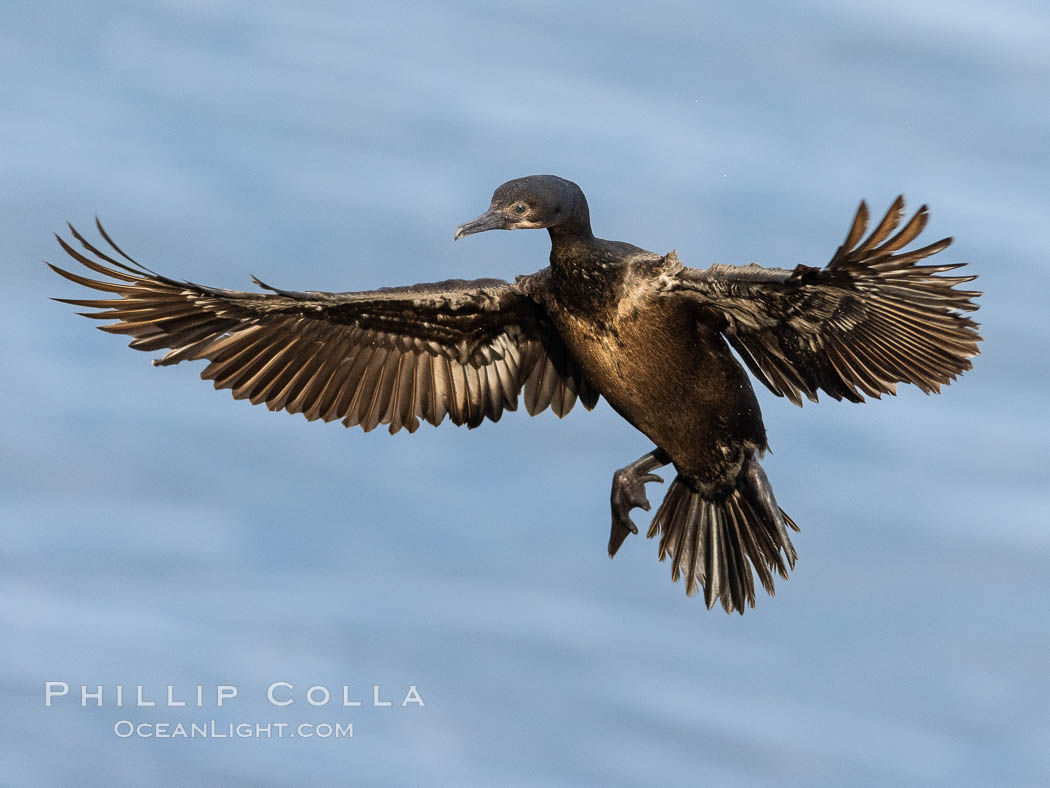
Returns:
<point x="667" y="371"/>
<point x="627" y="350"/>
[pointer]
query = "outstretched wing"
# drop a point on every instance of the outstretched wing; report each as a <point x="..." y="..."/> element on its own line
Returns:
<point x="870" y="319"/>
<point x="390" y="356"/>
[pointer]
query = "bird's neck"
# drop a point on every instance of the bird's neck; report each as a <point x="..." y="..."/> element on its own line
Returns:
<point x="572" y="241"/>
<point x="574" y="257"/>
<point x="583" y="275"/>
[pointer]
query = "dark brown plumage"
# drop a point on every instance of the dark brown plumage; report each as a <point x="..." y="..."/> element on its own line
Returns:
<point x="605" y="318"/>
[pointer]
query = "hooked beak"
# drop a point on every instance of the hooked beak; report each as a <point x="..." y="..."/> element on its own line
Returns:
<point x="490" y="220"/>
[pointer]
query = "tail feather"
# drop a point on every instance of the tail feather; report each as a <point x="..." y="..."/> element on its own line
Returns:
<point x="715" y="542"/>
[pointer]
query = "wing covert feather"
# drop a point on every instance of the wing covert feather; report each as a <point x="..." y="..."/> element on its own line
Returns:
<point x="867" y="321"/>
<point x="394" y="356"/>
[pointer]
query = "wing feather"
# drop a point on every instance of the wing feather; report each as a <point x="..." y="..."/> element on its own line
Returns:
<point x="869" y="320"/>
<point x="463" y="349"/>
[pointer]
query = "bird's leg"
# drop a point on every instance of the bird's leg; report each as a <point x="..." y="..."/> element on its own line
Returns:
<point x="628" y="492"/>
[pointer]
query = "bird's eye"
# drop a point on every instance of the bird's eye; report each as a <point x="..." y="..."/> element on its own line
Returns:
<point x="520" y="208"/>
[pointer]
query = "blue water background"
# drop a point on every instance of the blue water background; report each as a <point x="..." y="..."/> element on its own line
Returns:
<point x="152" y="531"/>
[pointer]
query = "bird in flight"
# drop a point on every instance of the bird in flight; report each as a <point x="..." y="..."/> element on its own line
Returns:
<point x="604" y="319"/>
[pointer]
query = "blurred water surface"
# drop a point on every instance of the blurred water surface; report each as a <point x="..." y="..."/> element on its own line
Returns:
<point x="154" y="532"/>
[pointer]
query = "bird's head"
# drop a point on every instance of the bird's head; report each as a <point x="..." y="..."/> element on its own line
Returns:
<point x="530" y="203"/>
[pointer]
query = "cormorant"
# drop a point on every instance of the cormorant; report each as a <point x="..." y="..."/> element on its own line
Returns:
<point x="604" y="319"/>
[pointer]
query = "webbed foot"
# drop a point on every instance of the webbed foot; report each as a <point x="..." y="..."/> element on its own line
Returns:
<point x="628" y="492"/>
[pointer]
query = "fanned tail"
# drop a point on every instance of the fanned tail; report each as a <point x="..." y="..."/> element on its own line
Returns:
<point x="715" y="542"/>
